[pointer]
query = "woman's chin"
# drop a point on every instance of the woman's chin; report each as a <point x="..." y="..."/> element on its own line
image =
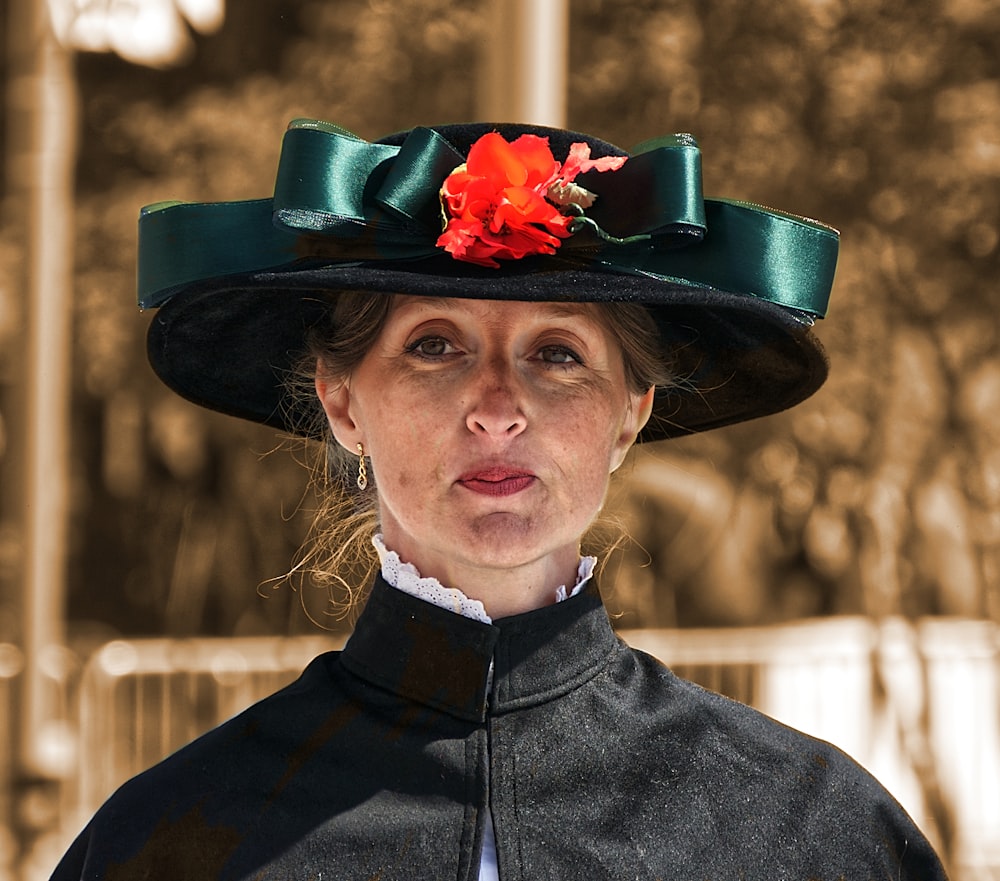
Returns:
<point x="505" y="540"/>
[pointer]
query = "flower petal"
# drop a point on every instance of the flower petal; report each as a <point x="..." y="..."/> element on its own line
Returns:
<point x="537" y="158"/>
<point x="578" y="162"/>
<point x="571" y="194"/>
<point x="496" y="160"/>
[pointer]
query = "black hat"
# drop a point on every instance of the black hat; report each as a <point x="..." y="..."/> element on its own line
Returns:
<point x="491" y="211"/>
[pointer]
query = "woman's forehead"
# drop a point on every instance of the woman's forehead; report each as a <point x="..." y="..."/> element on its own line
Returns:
<point x="498" y="309"/>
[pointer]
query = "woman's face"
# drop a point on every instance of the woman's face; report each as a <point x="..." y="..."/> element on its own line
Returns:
<point x="492" y="429"/>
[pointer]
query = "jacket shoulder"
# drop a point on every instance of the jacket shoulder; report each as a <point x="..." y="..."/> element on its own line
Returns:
<point x="240" y="759"/>
<point x="747" y="770"/>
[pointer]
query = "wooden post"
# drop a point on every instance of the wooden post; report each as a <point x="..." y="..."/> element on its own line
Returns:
<point x="41" y="103"/>
<point x="525" y="62"/>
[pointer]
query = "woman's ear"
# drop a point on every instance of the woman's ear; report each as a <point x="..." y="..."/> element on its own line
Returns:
<point x="640" y="409"/>
<point x="335" y="398"/>
<point x="644" y="409"/>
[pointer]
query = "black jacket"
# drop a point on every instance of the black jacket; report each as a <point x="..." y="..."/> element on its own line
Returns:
<point x="596" y="761"/>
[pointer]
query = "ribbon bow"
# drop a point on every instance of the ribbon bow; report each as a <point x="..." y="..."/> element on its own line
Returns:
<point x="345" y="200"/>
<point x="331" y="182"/>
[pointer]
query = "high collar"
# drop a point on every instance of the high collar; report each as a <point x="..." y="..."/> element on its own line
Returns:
<point x="440" y="659"/>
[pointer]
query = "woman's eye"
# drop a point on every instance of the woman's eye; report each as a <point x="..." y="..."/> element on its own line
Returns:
<point x="431" y="347"/>
<point x="559" y="355"/>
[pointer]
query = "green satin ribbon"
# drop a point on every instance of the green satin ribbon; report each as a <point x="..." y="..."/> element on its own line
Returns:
<point x="181" y="243"/>
<point x="785" y="259"/>
<point x="343" y="199"/>
<point x="332" y="182"/>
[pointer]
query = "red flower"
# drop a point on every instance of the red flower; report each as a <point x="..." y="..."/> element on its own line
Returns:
<point x="503" y="202"/>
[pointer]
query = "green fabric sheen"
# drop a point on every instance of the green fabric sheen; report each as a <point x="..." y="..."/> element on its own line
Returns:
<point x="348" y="200"/>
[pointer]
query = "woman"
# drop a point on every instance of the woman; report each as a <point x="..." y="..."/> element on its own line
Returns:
<point x="483" y="720"/>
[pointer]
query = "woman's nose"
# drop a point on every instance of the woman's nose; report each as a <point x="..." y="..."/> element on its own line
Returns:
<point x="496" y="409"/>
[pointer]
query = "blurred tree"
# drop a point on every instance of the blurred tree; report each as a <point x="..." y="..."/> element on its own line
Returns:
<point x="177" y="492"/>
<point x="881" y="118"/>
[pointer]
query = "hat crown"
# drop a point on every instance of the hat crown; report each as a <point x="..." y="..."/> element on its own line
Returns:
<point x="462" y="136"/>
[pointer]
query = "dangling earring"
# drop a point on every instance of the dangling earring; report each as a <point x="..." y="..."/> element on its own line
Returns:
<point x="362" y="470"/>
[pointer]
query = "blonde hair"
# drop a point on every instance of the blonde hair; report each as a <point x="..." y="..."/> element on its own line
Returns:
<point x="338" y="554"/>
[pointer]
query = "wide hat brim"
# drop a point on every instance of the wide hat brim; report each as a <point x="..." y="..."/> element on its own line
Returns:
<point x="229" y="341"/>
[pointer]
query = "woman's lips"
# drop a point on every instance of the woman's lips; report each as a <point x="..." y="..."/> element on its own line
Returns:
<point x="497" y="481"/>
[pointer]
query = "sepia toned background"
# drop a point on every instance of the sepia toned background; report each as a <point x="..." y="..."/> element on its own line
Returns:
<point x="838" y="565"/>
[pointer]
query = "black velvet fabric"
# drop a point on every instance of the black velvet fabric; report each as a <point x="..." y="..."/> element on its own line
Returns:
<point x="595" y="760"/>
<point x="230" y="347"/>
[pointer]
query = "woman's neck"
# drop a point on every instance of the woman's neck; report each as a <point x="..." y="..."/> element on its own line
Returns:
<point x="503" y="591"/>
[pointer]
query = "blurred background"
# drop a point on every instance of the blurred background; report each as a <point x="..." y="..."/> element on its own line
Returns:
<point x="838" y="565"/>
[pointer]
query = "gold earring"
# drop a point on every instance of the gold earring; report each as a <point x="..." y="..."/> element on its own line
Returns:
<point x="362" y="470"/>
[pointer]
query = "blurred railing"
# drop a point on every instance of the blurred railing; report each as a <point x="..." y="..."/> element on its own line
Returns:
<point x="919" y="705"/>
<point x="140" y="700"/>
<point x="11" y="664"/>
<point x="916" y="704"/>
<point x="30" y="806"/>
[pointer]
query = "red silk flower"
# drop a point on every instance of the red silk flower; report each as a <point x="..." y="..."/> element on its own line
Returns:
<point x="504" y="201"/>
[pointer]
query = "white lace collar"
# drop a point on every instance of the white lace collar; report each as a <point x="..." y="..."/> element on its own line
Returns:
<point x="405" y="577"/>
